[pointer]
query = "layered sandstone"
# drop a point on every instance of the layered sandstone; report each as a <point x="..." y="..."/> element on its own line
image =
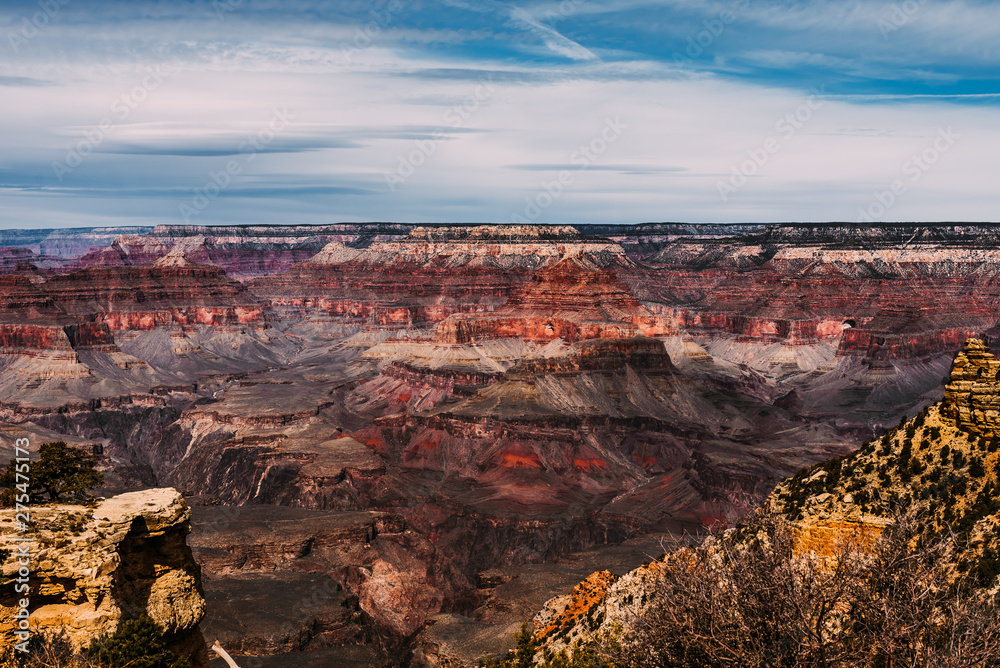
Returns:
<point x="428" y="275"/>
<point x="800" y="284"/>
<point x="93" y="568"/>
<point x="243" y="251"/>
<point x="173" y="290"/>
<point x="911" y="331"/>
<point x="972" y="395"/>
<point x="573" y="300"/>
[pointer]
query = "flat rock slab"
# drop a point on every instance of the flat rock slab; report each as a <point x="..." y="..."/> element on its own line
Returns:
<point x="273" y="400"/>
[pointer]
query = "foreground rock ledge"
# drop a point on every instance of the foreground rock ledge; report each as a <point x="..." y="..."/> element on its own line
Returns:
<point x="92" y="568"/>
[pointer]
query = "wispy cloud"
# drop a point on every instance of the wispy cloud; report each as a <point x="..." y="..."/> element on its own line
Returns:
<point x="15" y="82"/>
<point x="552" y="38"/>
<point x="557" y="77"/>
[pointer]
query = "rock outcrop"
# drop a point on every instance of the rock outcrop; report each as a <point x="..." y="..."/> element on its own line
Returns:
<point x="572" y="300"/>
<point x="944" y="463"/>
<point x="244" y="251"/>
<point x="972" y="395"/>
<point x="93" y="568"/>
<point x="428" y="275"/>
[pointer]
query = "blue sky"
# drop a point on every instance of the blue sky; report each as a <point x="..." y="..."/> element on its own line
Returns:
<point x="619" y="111"/>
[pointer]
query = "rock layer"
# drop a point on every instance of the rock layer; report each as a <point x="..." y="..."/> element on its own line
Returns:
<point x="971" y="397"/>
<point x="94" y="568"/>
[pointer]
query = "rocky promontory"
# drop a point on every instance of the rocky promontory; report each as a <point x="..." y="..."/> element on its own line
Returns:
<point x="91" y="569"/>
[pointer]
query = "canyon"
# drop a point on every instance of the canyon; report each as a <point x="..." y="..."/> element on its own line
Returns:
<point x="438" y="428"/>
<point x="939" y="470"/>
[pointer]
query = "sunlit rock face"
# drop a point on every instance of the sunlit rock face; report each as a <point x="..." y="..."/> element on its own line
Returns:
<point x="94" y="568"/>
<point x="428" y="275"/>
<point x="972" y="395"/>
<point x="573" y="300"/>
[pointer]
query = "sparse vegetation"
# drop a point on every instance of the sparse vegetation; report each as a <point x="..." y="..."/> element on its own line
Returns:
<point x="61" y="475"/>
<point x="753" y="603"/>
<point x="523" y="655"/>
<point x="138" y="644"/>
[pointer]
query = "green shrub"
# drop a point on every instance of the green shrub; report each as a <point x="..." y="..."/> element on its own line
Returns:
<point x="958" y="460"/>
<point x="61" y="475"/>
<point x="976" y="469"/>
<point x="138" y="644"/>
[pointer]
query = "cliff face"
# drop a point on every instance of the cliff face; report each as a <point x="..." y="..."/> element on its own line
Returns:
<point x="572" y="300"/>
<point x="93" y="568"/>
<point x="243" y="252"/>
<point x="801" y="284"/>
<point x="944" y="463"/>
<point x="428" y="275"/>
<point x="972" y="395"/>
<point x="173" y="290"/>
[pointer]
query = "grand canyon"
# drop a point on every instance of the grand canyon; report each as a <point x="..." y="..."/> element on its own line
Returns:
<point x="391" y="444"/>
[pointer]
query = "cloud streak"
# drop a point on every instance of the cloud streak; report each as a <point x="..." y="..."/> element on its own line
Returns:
<point x="560" y="71"/>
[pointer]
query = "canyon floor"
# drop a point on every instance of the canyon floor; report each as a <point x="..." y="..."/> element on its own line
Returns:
<point x="400" y="441"/>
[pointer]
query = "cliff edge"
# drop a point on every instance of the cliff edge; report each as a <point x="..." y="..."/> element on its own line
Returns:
<point x="93" y="568"/>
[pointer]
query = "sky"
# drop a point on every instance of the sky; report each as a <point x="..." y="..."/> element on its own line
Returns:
<point x="213" y="112"/>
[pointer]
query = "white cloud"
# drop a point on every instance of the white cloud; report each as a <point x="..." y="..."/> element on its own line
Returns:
<point x="553" y="39"/>
<point x="356" y="117"/>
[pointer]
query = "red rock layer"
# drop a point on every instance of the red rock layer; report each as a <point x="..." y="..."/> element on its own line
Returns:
<point x="125" y="297"/>
<point x="20" y="291"/>
<point x="903" y="332"/>
<point x="25" y="338"/>
<point x="240" y="260"/>
<point x="808" y="301"/>
<point x="91" y="335"/>
<point x="387" y="295"/>
<point x="608" y="354"/>
<point x="572" y="300"/>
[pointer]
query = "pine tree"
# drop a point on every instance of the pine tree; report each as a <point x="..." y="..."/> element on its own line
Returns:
<point x="63" y="474"/>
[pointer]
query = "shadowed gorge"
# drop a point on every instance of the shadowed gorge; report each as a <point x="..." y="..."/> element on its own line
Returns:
<point x="438" y="429"/>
